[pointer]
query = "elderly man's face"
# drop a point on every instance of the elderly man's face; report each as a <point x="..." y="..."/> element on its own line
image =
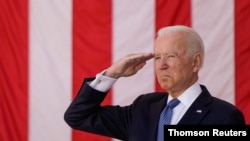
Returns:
<point x="173" y="65"/>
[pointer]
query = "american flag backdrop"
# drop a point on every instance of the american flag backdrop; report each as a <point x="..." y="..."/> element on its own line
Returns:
<point x="47" y="47"/>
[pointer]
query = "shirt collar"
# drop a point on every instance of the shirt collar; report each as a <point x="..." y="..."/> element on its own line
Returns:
<point x="189" y="95"/>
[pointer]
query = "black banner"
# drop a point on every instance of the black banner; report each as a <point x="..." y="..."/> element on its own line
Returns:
<point x="195" y="132"/>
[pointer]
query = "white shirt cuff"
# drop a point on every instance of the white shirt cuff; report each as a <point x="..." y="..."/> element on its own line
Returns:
<point x="102" y="83"/>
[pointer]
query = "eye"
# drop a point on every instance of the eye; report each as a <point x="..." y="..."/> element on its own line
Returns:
<point x="171" y="56"/>
<point x="157" y="57"/>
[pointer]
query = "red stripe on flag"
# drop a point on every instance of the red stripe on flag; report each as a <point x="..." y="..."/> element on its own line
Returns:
<point x="91" y="47"/>
<point x="242" y="51"/>
<point x="14" y="70"/>
<point x="172" y="12"/>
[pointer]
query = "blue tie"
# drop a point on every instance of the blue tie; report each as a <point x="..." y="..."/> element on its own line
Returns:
<point x="165" y="117"/>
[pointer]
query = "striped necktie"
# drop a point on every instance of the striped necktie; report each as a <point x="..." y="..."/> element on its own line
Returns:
<point x="165" y="118"/>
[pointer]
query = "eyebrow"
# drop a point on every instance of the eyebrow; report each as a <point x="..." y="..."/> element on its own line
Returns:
<point x="175" y="53"/>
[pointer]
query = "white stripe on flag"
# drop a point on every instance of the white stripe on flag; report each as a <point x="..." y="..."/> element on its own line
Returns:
<point x="133" y="32"/>
<point x="215" y="22"/>
<point x="50" y="69"/>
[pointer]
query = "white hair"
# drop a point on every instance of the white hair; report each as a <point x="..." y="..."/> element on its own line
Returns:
<point x="194" y="41"/>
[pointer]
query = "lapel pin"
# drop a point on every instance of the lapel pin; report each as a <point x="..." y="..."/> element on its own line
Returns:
<point x="199" y="111"/>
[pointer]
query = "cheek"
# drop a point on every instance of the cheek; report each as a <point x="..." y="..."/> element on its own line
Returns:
<point x="157" y="67"/>
<point x="184" y="73"/>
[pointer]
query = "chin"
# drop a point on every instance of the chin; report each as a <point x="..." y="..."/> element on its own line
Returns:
<point x="164" y="81"/>
<point x="165" y="86"/>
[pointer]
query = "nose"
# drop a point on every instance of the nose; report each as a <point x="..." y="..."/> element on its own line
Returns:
<point x="162" y="63"/>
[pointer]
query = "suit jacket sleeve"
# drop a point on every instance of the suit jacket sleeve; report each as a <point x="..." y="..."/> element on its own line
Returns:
<point x="85" y="113"/>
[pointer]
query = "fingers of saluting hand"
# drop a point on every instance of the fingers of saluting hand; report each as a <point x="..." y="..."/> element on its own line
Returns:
<point x="128" y="65"/>
<point x="139" y="58"/>
<point x="132" y="63"/>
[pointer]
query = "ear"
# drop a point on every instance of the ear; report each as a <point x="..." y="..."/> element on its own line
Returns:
<point x="196" y="62"/>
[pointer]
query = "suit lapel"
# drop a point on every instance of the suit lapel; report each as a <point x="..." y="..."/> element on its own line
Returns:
<point x="198" y="109"/>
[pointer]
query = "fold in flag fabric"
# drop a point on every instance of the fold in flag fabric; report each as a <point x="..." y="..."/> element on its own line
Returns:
<point x="47" y="47"/>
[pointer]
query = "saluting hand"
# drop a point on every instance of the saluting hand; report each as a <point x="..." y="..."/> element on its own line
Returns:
<point x="128" y="65"/>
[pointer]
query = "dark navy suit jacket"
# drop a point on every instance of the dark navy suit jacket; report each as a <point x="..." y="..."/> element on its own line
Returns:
<point x="139" y="121"/>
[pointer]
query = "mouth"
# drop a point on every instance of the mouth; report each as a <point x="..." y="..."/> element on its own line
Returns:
<point x="164" y="77"/>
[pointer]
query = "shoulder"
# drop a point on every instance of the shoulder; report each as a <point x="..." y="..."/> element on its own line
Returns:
<point x="223" y="105"/>
<point x="216" y="103"/>
<point x="152" y="97"/>
<point x="145" y="101"/>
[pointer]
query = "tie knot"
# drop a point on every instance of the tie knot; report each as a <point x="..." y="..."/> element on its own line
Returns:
<point x="172" y="103"/>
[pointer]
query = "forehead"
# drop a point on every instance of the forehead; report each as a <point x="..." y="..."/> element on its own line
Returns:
<point x="170" y="43"/>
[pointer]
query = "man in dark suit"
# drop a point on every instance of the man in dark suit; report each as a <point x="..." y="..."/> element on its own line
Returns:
<point x="178" y="56"/>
